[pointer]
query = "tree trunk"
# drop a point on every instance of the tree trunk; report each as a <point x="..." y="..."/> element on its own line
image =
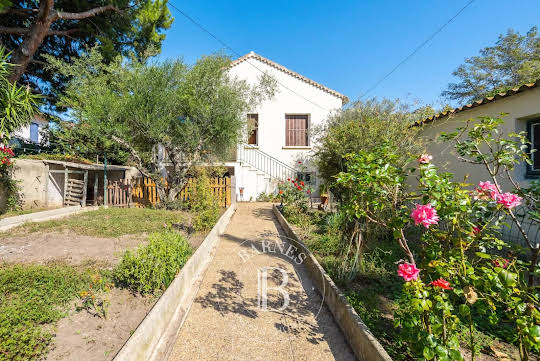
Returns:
<point x="25" y="52"/>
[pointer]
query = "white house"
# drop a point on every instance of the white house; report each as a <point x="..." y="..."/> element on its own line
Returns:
<point x="32" y="133"/>
<point x="280" y="128"/>
<point x="522" y="106"/>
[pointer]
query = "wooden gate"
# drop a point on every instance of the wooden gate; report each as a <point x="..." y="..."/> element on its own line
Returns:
<point x="119" y="193"/>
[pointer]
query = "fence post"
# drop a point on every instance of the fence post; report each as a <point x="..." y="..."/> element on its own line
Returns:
<point x="105" y="182"/>
<point x="231" y="191"/>
<point x="85" y="186"/>
<point x="65" y="184"/>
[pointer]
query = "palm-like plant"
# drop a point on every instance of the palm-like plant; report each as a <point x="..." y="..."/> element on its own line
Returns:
<point x="17" y="103"/>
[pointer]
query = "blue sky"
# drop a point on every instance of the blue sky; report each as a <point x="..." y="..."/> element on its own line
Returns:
<point x="349" y="45"/>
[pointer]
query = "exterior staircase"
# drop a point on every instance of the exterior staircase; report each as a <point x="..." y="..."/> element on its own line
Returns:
<point x="259" y="172"/>
<point x="272" y="167"/>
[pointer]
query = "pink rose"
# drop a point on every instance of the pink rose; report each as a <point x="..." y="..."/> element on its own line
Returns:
<point x="502" y="263"/>
<point x="425" y="215"/>
<point x="425" y="158"/>
<point x="488" y="187"/>
<point x="408" y="271"/>
<point x="509" y="200"/>
<point x="476" y="230"/>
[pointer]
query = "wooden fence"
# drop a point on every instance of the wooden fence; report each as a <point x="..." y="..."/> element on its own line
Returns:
<point x="142" y="192"/>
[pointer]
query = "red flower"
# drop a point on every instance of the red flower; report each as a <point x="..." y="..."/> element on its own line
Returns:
<point x="7" y="150"/>
<point x="288" y="179"/>
<point x="441" y="283"/>
<point x="299" y="162"/>
<point x="302" y="184"/>
<point x="503" y="263"/>
<point x="299" y="188"/>
<point x="296" y="179"/>
<point x="280" y="192"/>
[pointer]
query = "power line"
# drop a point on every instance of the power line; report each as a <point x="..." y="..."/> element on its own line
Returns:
<point x="237" y="53"/>
<point x="416" y="50"/>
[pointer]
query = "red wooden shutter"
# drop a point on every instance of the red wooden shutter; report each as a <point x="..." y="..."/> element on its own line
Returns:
<point x="296" y="130"/>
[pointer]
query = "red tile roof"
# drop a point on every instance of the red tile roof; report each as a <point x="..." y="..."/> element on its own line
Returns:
<point x="486" y="100"/>
<point x="294" y="74"/>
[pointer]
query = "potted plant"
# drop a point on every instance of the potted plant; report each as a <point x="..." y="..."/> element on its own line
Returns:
<point x="323" y="190"/>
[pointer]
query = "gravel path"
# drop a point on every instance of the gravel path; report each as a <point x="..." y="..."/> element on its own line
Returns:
<point x="226" y="322"/>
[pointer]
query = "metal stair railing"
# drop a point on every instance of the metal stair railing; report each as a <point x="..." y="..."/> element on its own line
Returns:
<point x="265" y="163"/>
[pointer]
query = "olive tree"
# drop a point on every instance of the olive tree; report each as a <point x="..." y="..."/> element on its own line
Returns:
<point x="364" y="126"/>
<point x="194" y="114"/>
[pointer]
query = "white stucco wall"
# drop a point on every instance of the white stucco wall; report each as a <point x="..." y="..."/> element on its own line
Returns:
<point x="315" y="102"/>
<point x="520" y="108"/>
<point x="271" y="137"/>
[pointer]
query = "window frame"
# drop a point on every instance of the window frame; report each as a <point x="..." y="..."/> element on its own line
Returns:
<point x="531" y="171"/>
<point x="303" y="175"/>
<point x="33" y="129"/>
<point x="256" y="130"/>
<point x="308" y="130"/>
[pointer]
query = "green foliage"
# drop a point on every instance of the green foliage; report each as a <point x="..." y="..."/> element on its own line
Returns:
<point x="137" y="28"/>
<point x="9" y="186"/>
<point x="514" y="60"/>
<point x="62" y="157"/>
<point x="203" y="203"/>
<point x="294" y="194"/>
<point x="362" y="127"/>
<point x="459" y="245"/>
<point x="268" y="197"/>
<point x="153" y="267"/>
<point x="17" y="103"/>
<point x="78" y="140"/>
<point x="193" y="112"/>
<point x="110" y="222"/>
<point x="32" y="296"/>
<point x="94" y="299"/>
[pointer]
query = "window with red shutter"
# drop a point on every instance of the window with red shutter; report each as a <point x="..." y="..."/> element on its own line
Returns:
<point x="296" y="130"/>
<point x="253" y="129"/>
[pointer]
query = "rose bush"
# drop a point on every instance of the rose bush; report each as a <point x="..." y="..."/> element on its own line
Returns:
<point x="6" y="181"/>
<point x="457" y="277"/>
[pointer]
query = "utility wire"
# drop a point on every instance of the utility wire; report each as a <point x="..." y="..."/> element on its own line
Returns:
<point x="416" y="50"/>
<point x="224" y="44"/>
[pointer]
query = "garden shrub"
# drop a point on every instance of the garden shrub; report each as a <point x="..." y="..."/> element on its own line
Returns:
<point x="203" y="203"/>
<point x="462" y="276"/>
<point x="153" y="267"/>
<point x="364" y="126"/>
<point x="8" y="185"/>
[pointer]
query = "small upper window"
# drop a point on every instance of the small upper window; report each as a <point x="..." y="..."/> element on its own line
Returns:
<point x="534" y="137"/>
<point x="296" y="130"/>
<point x="34" y="132"/>
<point x="253" y="129"/>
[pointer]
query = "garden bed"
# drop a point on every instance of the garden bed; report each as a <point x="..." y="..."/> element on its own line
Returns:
<point x="374" y="289"/>
<point x="54" y="274"/>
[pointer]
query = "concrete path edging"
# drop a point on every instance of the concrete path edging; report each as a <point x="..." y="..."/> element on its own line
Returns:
<point x="11" y="222"/>
<point x="363" y="343"/>
<point x="154" y="337"/>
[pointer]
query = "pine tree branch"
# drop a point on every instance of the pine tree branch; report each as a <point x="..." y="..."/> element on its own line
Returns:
<point x="86" y="14"/>
<point x="24" y="31"/>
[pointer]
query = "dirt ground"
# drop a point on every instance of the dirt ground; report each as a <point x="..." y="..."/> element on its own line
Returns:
<point x="83" y="336"/>
<point x="65" y="247"/>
